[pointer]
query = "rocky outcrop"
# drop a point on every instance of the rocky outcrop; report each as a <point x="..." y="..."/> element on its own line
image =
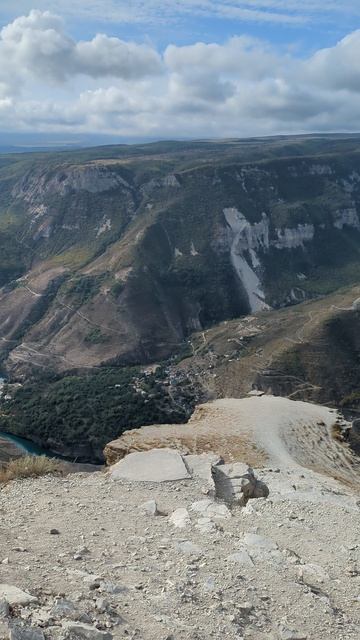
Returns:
<point x="258" y="430"/>
<point x="237" y="483"/>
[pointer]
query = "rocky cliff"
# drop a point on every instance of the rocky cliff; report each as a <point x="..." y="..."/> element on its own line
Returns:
<point x="116" y="255"/>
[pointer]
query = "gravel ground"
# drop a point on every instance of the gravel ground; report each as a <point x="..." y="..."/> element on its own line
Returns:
<point x="102" y="566"/>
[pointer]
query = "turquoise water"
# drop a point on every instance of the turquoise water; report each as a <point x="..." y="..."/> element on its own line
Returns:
<point x="24" y="445"/>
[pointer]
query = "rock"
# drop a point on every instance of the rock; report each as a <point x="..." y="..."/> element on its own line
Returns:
<point x="156" y="465"/>
<point x="289" y="634"/>
<point x="4" y="631"/>
<point x="180" y="518"/>
<point x="200" y="465"/>
<point x="26" y="633"/>
<point x="260" y="490"/>
<point x="189" y="548"/>
<point x="75" y="630"/>
<point x="206" y="525"/>
<point x="255" y="540"/>
<point x="15" y="596"/>
<point x="4" y="608"/>
<point x="112" y="588"/>
<point x="241" y="557"/>
<point x="211" y="509"/>
<point x="150" y="507"/>
<point x="312" y="574"/>
<point x="54" y="532"/>
<point x="236" y="482"/>
<point x="64" y="609"/>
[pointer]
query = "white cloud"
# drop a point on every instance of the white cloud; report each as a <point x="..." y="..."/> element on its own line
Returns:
<point x="37" y="44"/>
<point x="49" y="81"/>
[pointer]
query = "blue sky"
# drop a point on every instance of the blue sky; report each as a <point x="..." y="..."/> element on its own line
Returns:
<point x="192" y="67"/>
<point x="307" y="24"/>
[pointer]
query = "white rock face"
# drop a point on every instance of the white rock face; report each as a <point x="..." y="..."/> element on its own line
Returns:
<point x="347" y="217"/>
<point x="105" y="225"/>
<point x="156" y="465"/>
<point x="295" y="237"/>
<point x="248" y="237"/>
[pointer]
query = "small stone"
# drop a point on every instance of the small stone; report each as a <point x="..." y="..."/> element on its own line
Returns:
<point x="150" y="507"/>
<point x="54" y="532"/>
<point x="189" y="548"/>
<point x="289" y="634"/>
<point x="180" y="518"/>
<point x="312" y="574"/>
<point x="112" y="588"/>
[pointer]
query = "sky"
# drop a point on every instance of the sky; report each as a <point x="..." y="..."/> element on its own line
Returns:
<point x="155" y="69"/>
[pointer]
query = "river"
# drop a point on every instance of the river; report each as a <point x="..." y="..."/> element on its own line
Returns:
<point x="20" y="443"/>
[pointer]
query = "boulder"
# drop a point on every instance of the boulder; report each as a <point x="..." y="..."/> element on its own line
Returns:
<point x="15" y="596"/>
<point x="236" y="482"/>
<point x="26" y="633"/>
<point x="156" y="465"/>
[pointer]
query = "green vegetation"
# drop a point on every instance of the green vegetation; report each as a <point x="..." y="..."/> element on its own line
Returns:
<point x="83" y="288"/>
<point x="117" y="289"/>
<point x="95" y="336"/>
<point x="89" y="409"/>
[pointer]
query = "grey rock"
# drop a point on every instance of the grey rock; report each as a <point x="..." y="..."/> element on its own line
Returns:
<point x="64" y="609"/>
<point x="112" y="588"/>
<point x="150" y="507"/>
<point x="26" y="633"/>
<point x="180" y="518"/>
<point x="156" y="465"/>
<point x="236" y="482"/>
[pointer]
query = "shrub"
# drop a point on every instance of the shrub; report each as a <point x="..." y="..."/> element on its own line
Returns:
<point x="28" y="467"/>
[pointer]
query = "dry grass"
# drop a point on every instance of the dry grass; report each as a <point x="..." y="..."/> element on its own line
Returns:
<point x="28" y="467"/>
